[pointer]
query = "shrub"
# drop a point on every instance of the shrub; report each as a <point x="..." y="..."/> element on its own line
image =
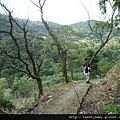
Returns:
<point x="110" y="108"/>
<point x="5" y="104"/>
<point x="23" y="87"/>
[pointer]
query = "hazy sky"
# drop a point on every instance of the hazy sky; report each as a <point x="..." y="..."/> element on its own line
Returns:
<point x="59" y="11"/>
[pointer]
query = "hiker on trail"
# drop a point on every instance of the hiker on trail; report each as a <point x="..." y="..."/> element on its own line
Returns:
<point x="87" y="70"/>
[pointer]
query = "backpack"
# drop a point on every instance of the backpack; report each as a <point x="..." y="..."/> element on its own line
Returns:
<point x="86" y="68"/>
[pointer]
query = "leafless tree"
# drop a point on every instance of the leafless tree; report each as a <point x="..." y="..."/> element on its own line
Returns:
<point x="31" y="64"/>
<point x="61" y="51"/>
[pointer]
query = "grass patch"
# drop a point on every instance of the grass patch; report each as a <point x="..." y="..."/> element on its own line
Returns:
<point x="64" y="86"/>
<point x="110" y="108"/>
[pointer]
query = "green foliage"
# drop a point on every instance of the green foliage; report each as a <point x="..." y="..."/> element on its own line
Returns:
<point x="5" y="104"/>
<point x="7" y="93"/>
<point x="3" y="84"/>
<point x="23" y="87"/>
<point x="77" y="39"/>
<point x="53" y="79"/>
<point x="79" y="76"/>
<point x="77" y="44"/>
<point x="102" y="5"/>
<point x="108" y="56"/>
<point x="104" y="66"/>
<point x="115" y="6"/>
<point x="110" y="108"/>
<point x="101" y="27"/>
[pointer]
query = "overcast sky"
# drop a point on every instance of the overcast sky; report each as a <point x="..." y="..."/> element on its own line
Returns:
<point x="60" y="11"/>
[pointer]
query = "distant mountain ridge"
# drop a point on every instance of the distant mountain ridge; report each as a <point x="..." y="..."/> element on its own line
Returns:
<point x="84" y="24"/>
<point x="37" y="26"/>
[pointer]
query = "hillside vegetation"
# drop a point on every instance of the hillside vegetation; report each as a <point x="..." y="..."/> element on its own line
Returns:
<point x="18" y="88"/>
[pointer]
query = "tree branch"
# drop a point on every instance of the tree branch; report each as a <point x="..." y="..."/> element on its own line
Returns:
<point x="5" y="68"/>
<point x="11" y="20"/>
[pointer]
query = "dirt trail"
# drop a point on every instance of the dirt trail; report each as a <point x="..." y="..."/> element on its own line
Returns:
<point x="67" y="102"/>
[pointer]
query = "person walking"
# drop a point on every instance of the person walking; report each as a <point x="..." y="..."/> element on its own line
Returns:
<point x="87" y="70"/>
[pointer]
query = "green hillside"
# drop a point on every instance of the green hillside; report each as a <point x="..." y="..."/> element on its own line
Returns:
<point x="28" y="48"/>
<point x="38" y="27"/>
<point x="81" y="41"/>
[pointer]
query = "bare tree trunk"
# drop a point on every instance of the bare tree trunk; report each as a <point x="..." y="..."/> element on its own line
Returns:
<point x="40" y="87"/>
<point x="61" y="51"/>
<point x="71" y="70"/>
<point x="64" y="66"/>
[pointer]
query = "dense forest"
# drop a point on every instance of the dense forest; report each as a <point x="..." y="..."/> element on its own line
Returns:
<point x="27" y="50"/>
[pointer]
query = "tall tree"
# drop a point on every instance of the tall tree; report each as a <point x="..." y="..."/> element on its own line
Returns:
<point x="68" y="35"/>
<point x="28" y="62"/>
<point x="61" y="50"/>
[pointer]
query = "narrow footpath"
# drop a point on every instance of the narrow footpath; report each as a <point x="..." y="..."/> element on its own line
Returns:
<point x="67" y="102"/>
